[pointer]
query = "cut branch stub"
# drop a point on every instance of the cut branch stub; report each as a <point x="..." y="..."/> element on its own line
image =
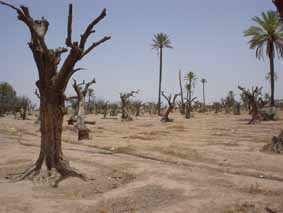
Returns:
<point x="69" y="42"/>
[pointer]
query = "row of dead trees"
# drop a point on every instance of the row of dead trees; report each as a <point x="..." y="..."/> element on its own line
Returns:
<point x="53" y="78"/>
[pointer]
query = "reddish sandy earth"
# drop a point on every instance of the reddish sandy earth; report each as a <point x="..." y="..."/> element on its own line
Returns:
<point x="209" y="164"/>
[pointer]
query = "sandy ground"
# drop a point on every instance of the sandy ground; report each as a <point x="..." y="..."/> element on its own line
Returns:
<point x="209" y="164"/>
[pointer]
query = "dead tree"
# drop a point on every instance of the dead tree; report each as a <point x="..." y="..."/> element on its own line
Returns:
<point x="25" y="105"/>
<point x="171" y="104"/>
<point x="181" y="104"/>
<point x="237" y="108"/>
<point x="256" y="105"/>
<point x="113" y="109"/>
<point x="125" y="104"/>
<point x="83" y="131"/>
<point x="51" y="85"/>
<point x="216" y="107"/>
<point x="137" y="105"/>
<point x="105" y="109"/>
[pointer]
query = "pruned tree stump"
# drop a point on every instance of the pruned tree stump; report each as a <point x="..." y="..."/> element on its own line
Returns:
<point x="83" y="134"/>
<point x="276" y="145"/>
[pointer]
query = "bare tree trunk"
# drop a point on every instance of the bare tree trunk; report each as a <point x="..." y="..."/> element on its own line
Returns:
<point x="105" y="110"/>
<point x="182" y="94"/>
<point x="187" y="105"/>
<point x="165" y="117"/>
<point x="203" y="95"/>
<point x="51" y="121"/>
<point x="124" y="110"/>
<point x="83" y="131"/>
<point x="171" y="104"/>
<point x="81" y="113"/>
<point x="271" y="60"/>
<point x="52" y="84"/>
<point x="125" y="104"/>
<point x="160" y="81"/>
<point x="190" y="104"/>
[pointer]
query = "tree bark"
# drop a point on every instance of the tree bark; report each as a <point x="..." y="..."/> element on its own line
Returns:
<point x="203" y="95"/>
<point x="187" y="105"/>
<point x="51" y="122"/>
<point x="190" y="104"/>
<point x="171" y="104"/>
<point x="83" y="131"/>
<point x="160" y="81"/>
<point x="271" y="60"/>
<point x="81" y="113"/>
<point x="182" y="95"/>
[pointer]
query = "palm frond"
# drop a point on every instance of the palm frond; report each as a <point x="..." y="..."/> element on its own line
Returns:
<point x="267" y="36"/>
<point x="161" y="40"/>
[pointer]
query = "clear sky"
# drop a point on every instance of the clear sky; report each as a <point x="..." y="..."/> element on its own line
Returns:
<point x="207" y="37"/>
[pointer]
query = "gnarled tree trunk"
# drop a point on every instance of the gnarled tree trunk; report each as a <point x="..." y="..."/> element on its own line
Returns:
<point x="52" y="84"/>
<point x="51" y="121"/>
<point x="171" y="105"/>
<point x="125" y="104"/>
<point x="83" y="131"/>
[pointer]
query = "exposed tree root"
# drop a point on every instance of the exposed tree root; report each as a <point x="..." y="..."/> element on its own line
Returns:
<point x="53" y="176"/>
<point x="257" y="118"/>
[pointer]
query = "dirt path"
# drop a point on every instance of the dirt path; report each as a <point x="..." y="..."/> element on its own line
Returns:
<point x="207" y="164"/>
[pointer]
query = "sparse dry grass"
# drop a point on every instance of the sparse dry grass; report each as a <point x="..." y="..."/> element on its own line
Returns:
<point x="210" y="163"/>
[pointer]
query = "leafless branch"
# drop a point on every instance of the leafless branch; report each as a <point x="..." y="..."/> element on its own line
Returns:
<point x="90" y="27"/>
<point x="95" y="44"/>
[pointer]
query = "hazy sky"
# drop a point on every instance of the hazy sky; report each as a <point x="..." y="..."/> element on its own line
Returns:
<point x="207" y="37"/>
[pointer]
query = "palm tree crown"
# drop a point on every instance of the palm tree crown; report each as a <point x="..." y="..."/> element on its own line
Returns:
<point x="161" y="40"/>
<point x="190" y="78"/>
<point x="203" y="81"/>
<point x="268" y="33"/>
<point x="267" y="37"/>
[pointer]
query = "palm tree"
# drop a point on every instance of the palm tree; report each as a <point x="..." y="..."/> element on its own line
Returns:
<point x="190" y="84"/>
<point x="203" y="81"/>
<point x="160" y="41"/>
<point x="267" y="37"/>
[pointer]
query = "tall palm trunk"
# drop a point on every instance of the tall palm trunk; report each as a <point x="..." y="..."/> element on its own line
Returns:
<point x="187" y="105"/>
<point x="160" y="80"/>
<point x="203" y="96"/>
<point x="271" y="60"/>
<point x="190" y="105"/>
